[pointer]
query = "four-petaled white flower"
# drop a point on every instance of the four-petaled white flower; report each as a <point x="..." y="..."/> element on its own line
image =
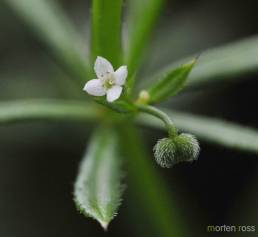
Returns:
<point x="109" y="82"/>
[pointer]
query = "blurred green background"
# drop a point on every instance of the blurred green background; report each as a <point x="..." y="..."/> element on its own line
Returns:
<point x="38" y="161"/>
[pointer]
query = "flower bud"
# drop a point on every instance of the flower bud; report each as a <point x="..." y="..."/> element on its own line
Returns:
<point x="170" y="151"/>
<point x="144" y="97"/>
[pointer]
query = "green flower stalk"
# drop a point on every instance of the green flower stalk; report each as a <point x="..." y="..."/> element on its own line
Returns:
<point x="171" y="128"/>
<point x="176" y="147"/>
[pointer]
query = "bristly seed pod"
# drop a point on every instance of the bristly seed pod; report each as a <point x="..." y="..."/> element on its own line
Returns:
<point x="165" y="152"/>
<point x="170" y="151"/>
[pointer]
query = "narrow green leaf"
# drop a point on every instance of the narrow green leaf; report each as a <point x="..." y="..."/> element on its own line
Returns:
<point x="106" y="30"/>
<point x="227" y="62"/>
<point x="27" y="110"/>
<point x="211" y="130"/>
<point x="98" y="189"/>
<point x="142" y="17"/>
<point x="50" y="23"/>
<point x="224" y="63"/>
<point x="170" y="83"/>
<point x="154" y="195"/>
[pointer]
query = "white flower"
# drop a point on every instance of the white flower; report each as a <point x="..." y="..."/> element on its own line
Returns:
<point x="109" y="82"/>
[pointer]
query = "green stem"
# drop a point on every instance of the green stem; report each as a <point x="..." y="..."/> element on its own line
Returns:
<point x="172" y="130"/>
<point x="155" y="197"/>
<point x="212" y="130"/>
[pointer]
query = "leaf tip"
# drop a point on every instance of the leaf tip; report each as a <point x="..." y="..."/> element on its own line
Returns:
<point x="193" y="61"/>
<point x="104" y="225"/>
<point x="189" y="65"/>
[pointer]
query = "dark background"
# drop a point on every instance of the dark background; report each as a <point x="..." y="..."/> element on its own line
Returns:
<point x="38" y="161"/>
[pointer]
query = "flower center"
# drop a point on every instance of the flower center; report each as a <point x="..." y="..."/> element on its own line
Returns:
<point x="109" y="81"/>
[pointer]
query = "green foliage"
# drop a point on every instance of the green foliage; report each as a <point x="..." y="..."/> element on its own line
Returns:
<point x="49" y="22"/>
<point x="211" y="130"/>
<point x="224" y="63"/>
<point x="120" y="106"/>
<point x="170" y="83"/>
<point x="142" y="17"/>
<point x="106" y="30"/>
<point x="98" y="189"/>
<point x="154" y="194"/>
<point x="27" y="110"/>
<point x="227" y="62"/>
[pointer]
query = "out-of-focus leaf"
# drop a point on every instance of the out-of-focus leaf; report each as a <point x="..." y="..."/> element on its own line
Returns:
<point x="211" y="130"/>
<point x="49" y="22"/>
<point x="98" y="186"/>
<point x="170" y="83"/>
<point x="154" y="195"/>
<point x="22" y="111"/>
<point x="142" y="17"/>
<point x="230" y="61"/>
<point x="106" y="30"/>
<point x="223" y="63"/>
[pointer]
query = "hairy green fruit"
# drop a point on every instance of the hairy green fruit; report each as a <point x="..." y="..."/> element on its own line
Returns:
<point x="165" y="152"/>
<point x="171" y="151"/>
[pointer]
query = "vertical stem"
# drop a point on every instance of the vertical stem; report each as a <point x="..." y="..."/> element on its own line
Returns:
<point x="152" y="191"/>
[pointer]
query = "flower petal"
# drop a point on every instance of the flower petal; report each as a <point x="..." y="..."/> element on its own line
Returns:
<point x="120" y="75"/>
<point x="95" y="87"/>
<point x="102" y="67"/>
<point x="114" y="93"/>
